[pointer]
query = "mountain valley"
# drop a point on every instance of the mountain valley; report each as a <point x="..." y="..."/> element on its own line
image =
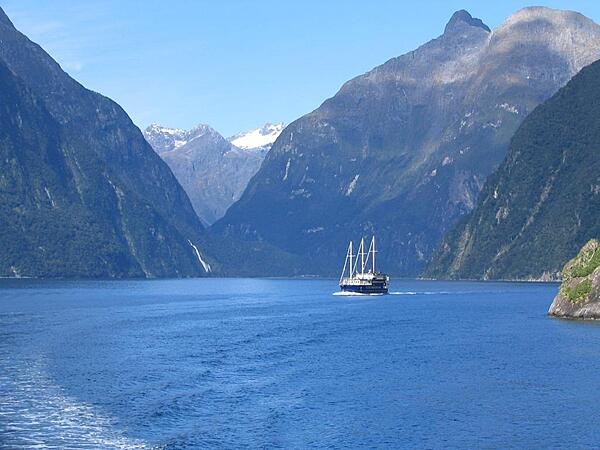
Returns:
<point x="214" y="171"/>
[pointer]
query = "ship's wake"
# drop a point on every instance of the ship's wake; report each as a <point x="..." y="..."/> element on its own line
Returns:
<point x="37" y="413"/>
<point x="419" y="293"/>
<point x="356" y="294"/>
<point x="359" y="294"/>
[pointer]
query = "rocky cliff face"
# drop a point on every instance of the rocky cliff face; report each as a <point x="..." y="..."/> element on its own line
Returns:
<point x="213" y="171"/>
<point x="81" y="192"/>
<point x="543" y="202"/>
<point x="403" y="151"/>
<point x="579" y="294"/>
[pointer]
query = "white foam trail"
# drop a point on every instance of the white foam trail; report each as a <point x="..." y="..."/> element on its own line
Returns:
<point x="432" y="293"/>
<point x="37" y="413"/>
<point x="354" y="294"/>
<point x="350" y="294"/>
<point x="205" y="265"/>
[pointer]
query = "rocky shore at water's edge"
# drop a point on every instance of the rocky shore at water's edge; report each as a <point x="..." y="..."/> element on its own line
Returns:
<point x="579" y="293"/>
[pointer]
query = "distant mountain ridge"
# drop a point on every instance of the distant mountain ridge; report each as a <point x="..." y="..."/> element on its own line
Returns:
<point x="81" y="192"/>
<point x="164" y="139"/>
<point x="213" y="171"/>
<point x="403" y="150"/>
<point x="543" y="203"/>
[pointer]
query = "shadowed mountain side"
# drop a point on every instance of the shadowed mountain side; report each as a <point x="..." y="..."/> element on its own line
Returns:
<point x="81" y="192"/>
<point x="543" y="203"/>
<point x="403" y="150"/>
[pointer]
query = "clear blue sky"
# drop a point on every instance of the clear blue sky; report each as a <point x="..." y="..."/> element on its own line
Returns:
<point x="237" y="64"/>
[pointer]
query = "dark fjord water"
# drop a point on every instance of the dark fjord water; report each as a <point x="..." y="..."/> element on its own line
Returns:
<point x="284" y="363"/>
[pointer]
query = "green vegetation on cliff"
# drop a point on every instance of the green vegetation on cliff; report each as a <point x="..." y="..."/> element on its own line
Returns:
<point x="587" y="263"/>
<point x="579" y="293"/>
<point x="543" y="203"/>
<point x="576" y="285"/>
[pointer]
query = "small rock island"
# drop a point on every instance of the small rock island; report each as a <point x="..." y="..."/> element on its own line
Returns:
<point x="579" y="293"/>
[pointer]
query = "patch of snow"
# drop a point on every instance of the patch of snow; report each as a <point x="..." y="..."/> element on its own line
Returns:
<point x="258" y="138"/>
<point x="510" y="108"/>
<point x="314" y="230"/>
<point x="501" y="214"/>
<point x="165" y="139"/>
<point x="352" y="185"/>
<point x="495" y="124"/>
<point x="300" y="193"/>
<point x="118" y="191"/>
<point x="433" y="173"/>
<point x="447" y="160"/>
<point x="287" y="169"/>
<point x="420" y="255"/>
<point x="205" y="265"/>
<point x="49" y="197"/>
<point x="165" y="130"/>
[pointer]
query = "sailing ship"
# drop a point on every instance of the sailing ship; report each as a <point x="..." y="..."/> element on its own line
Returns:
<point x="363" y="277"/>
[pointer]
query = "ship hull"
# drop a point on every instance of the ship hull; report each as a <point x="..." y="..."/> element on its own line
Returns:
<point x="365" y="289"/>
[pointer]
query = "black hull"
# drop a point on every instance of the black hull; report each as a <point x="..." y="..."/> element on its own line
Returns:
<point x="372" y="289"/>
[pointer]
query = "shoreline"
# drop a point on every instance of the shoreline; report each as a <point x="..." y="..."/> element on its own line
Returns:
<point x="297" y="277"/>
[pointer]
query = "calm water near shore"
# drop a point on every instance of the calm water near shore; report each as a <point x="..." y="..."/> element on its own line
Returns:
<point x="284" y="363"/>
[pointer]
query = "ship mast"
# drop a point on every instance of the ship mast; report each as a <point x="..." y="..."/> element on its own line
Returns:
<point x="349" y="256"/>
<point x="362" y="256"/>
<point x="371" y="254"/>
<point x="374" y="251"/>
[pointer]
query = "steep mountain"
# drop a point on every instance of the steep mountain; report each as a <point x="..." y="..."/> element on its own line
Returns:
<point x="403" y="150"/>
<point x="543" y="203"/>
<point x="81" y="192"/>
<point x="212" y="170"/>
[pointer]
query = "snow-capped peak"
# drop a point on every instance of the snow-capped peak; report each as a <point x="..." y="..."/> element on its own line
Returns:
<point x="165" y="139"/>
<point x="156" y="128"/>
<point x="257" y="141"/>
<point x="260" y="138"/>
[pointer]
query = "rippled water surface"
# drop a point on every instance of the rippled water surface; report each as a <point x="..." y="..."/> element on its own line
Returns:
<point x="284" y="363"/>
